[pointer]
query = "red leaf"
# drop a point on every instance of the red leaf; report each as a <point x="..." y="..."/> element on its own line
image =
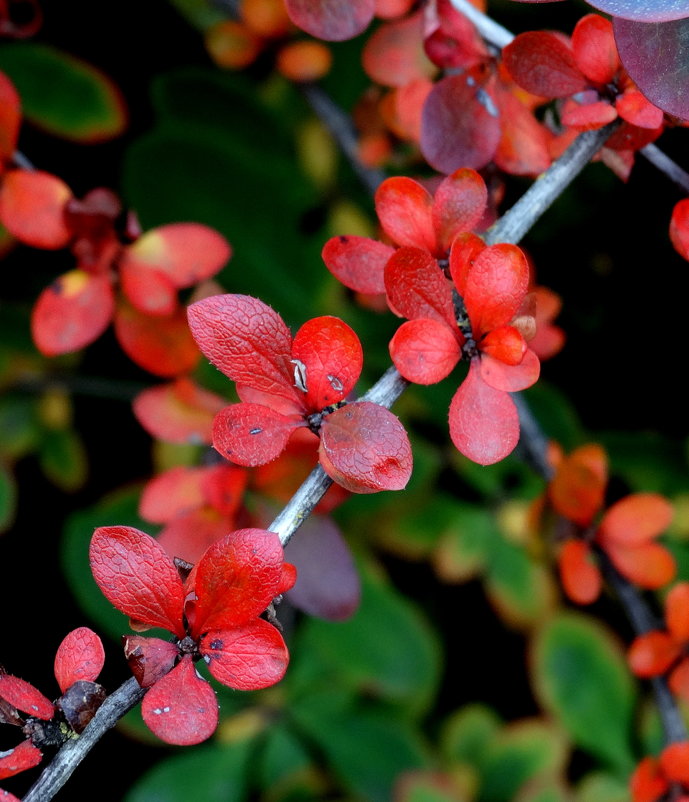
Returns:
<point x="328" y="584"/>
<point x="32" y="204"/>
<point x="332" y="358"/>
<point x="394" y="54"/>
<point x="505" y="344"/>
<point x="633" y="107"/>
<point x="451" y="40"/>
<point x="136" y="575"/>
<point x="6" y="796"/>
<point x="162" y="345"/>
<point x="332" y="21"/>
<point x="586" y="112"/>
<point x="72" y="312"/>
<point x="358" y="262"/>
<point x="425" y="351"/>
<point x="170" y="493"/>
<point x="186" y="253"/>
<point x="252" y="434"/>
<point x="247" y="340"/>
<point x="179" y="412"/>
<point x="404" y="209"/>
<point x="595" y="51"/>
<point x="149" y="659"/>
<point x="459" y="204"/>
<point x="465" y="249"/>
<point x="650" y="566"/>
<point x="648" y="783"/>
<point x="224" y="486"/>
<point x="25" y="697"/>
<point x="484" y="424"/>
<point x="246" y="658"/>
<point x="580" y="576"/>
<point x="236" y="579"/>
<point x="181" y="707"/>
<point x="543" y="64"/>
<point x="578" y="487"/>
<point x="10" y="118"/>
<point x="80" y="656"/>
<point x="511" y="378"/>
<point x="460" y="125"/>
<point x="150" y="291"/>
<point x="495" y="287"/>
<point x="417" y="287"/>
<point x="674" y="761"/>
<point x="189" y="534"/>
<point x="524" y="146"/>
<point x="22" y="757"/>
<point x="365" y="448"/>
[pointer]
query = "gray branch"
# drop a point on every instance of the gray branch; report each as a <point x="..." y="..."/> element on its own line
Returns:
<point x="666" y="165"/>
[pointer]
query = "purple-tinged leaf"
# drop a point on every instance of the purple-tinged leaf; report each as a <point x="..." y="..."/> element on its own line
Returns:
<point x="327" y="584"/>
<point x="656" y="56"/>
<point x="332" y="20"/>
<point x="643" y="10"/>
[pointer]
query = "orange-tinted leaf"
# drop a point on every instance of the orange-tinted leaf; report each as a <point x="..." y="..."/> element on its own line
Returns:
<point x="236" y="579"/>
<point x="365" y="448"/>
<point x="586" y="112"/>
<point x="548" y="339"/>
<point x="246" y="658"/>
<point x="150" y="291"/>
<point x="329" y="353"/>
<point x="652" y="654"/>
<point x="460" y="125"/>
<point x="650" y="565"/>
<point x="674" y="761"/>
<point x="459" y="204"/>
<point x="179" y="412"/>
<point x="232" y="44"/>
<point x="22" y="757"/>
<point x="304" y="61"/>
<point x="265" y="17"/>
<point x="484" y="424"/>
<point x="511" y="378"/>
<point x="677" y="611"/>
<point x="251" y="434"/>
<point x="495" y="287"/>
<point x="679" y="228"/>
<point x="404" y="209"/>
<point x="358" y="262"/>
<point x="636" y="519"/>
<point x="247" y="340"/>
<point x="505" y="344"/>
<point x="543" y="64"/>
<point x="80" y="656"/>
<point x="523" y="148"/>
<point x="170" y="493"/>
<point x="72" y="312"/>
<point x="136" y="575"/>
<point x="181" y="708"/>
<point x="595" y="51"/>
<point x="402" y="114"/>
<point x="678" y="680"/>
<point x="32" y="206"/>
<point x="648" y="783"/>
<point x="333" y="22"/>
<point x="394" y="54"/>
<point x="160" y="344"/>
<point x="149" y="659"/>
<point x="578" y="487"/>
<point x="224" y="486"/>
<point x="417" y="288"/>
<point x="424" y="350"/>
<point x="25" y="697"/>
<point x="389" y="9"/>
<point x="579" y="574"/>
<point x="10" y="118"/>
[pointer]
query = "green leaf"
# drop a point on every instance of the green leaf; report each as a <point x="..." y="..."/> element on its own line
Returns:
<point x="425" y="787"/>
<point x="598" y="786"/>
<point x="8" y="498"/>
<point x="367" y="748"/>
<point x="121" y="509"/>
<point x="521" y="589"/>
<point x="467" y="733"/>
<point x="648" y="461"/>
<point x="465" y="542"/>
<point x="555" y="414"/>
<point x="19" y="427"/>
<point x="520" y="753"/>
<point x="387" y="647"/>
<point x="581" y="677"/>
<point x="210" y="773"/>
<point x="63" y="458"/>
<point x="63" y="95"/>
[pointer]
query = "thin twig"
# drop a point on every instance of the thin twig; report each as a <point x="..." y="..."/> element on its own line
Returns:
<point x="340" y="126"/>
<point x="55" y="775"/>
<point x="490" y="30"/>
<point x="666" y="165"/>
